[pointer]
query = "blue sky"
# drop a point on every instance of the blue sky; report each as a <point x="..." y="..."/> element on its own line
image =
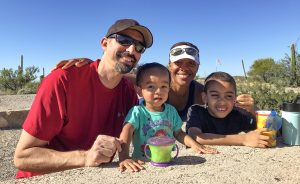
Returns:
<point x="46" y="32"/>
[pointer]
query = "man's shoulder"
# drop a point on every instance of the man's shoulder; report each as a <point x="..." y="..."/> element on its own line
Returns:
<point x="58" y="73"/>
<point x="56" y="76"/>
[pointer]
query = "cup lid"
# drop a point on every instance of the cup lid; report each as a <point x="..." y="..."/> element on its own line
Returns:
<point x="291" y="107"/>
<point x="263" y="112"/>
<point x="161" y="140"/>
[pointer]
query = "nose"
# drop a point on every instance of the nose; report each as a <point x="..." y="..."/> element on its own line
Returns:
<point x="184" y="67"/>
<point x="131" y="49"/>
<point x="157" y="91"/>
<point x="222" y="99"/>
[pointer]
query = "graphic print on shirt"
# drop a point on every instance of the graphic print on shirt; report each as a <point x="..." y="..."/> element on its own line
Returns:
<point x="156" y="128"/>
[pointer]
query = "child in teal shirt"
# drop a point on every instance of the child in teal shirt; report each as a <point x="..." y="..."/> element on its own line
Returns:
<point x="153" y="117"/>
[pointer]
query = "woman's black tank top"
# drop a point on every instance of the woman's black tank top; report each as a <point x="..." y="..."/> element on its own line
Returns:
<point x="190" y="101"/>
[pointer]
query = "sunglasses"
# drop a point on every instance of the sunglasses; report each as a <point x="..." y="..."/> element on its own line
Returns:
<point x="127" y="41"/>
<point x="179" y="51"/>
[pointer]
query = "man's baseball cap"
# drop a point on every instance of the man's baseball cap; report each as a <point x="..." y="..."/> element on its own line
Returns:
<point x="123" y="24"/>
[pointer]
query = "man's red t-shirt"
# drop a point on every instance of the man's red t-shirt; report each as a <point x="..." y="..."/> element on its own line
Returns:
<point x="72" y="107"/>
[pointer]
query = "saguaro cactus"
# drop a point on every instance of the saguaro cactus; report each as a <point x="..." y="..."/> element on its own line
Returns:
<point x="293" y="64"/>
<point x="21" y="65"/>
<point x="244" y="69"/>
<point x="42" y="76"/>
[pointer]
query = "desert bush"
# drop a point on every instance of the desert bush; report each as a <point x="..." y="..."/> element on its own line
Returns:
<point x="29" y="88"/>
<point x="267" y="96"/>
<point x="11" y="81"/>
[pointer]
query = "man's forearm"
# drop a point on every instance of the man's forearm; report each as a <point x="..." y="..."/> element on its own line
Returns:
<point x="43" y="160"/>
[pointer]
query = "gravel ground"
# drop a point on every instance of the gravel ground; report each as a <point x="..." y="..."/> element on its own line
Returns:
<point x="9" y="138"/>
<point x="234" y="164"/>
<point x="15" y="102"/>
<point x="8" y="142"/>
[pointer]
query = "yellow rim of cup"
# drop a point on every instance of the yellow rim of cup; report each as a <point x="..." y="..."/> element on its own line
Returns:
<point x="263" y="113"/>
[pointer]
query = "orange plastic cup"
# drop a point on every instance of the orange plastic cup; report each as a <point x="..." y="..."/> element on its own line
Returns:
<point x="261" y="117"/>
<point x="272" y="135"/>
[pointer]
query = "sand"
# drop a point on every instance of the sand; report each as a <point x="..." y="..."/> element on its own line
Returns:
<point x="234" y="164"/>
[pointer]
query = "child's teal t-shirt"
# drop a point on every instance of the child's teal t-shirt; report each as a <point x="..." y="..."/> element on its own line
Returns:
<point x="150" y="124"/>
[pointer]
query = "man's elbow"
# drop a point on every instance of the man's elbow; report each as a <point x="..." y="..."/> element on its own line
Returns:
<point x="19" y="161"/>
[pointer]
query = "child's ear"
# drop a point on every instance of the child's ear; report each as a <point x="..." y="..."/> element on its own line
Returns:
<point x="234" y="101"/>
<point x="204" y="97"/>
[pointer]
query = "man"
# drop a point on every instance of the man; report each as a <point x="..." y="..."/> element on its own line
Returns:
<point x="77" y="113"/>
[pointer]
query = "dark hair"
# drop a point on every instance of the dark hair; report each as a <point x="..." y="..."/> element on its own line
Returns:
<point x="143" y="68"/>
<point x="222" y="76"/>
<point x="184" y="43"/>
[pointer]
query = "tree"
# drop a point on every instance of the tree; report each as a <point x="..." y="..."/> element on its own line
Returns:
<point x="262" y="69"/>
<point x="16" y="79"/>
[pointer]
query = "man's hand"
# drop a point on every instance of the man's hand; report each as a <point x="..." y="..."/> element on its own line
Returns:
<point x="246" y="102"/>
<point x="256" y="139"/>
<point x="131" y="165"/>
<point x="102" y="150"/>
<point x="78" y="62"/>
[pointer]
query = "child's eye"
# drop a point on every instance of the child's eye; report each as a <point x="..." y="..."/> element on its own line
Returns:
<point x="215" y="96"/>
<point x="164" y="87"/>
<point x="150" y="87"/>
<point x="229" y="97"/>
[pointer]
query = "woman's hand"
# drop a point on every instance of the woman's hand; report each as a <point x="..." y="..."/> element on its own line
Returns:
<point x="78" y="62"/>
<point x="246" y="102"/>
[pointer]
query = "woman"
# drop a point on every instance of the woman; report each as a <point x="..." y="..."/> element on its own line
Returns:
<point x="183" y="66"/>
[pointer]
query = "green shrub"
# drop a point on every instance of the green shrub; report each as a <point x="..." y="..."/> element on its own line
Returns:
<point x="266" y="96"/>
<point x="12" y="81"/>
<point x="29" y="88"/>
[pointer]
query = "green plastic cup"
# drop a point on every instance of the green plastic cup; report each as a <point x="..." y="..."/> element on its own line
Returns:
<point x="161" y="148"/>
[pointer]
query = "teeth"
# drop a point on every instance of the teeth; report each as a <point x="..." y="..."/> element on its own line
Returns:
<point x="221" y="109"/>
<point x="182" y="76"/>
<point x="128" y="59"/>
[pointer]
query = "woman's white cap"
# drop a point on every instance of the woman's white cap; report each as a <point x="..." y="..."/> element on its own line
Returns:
<point x="184" y="55"/>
